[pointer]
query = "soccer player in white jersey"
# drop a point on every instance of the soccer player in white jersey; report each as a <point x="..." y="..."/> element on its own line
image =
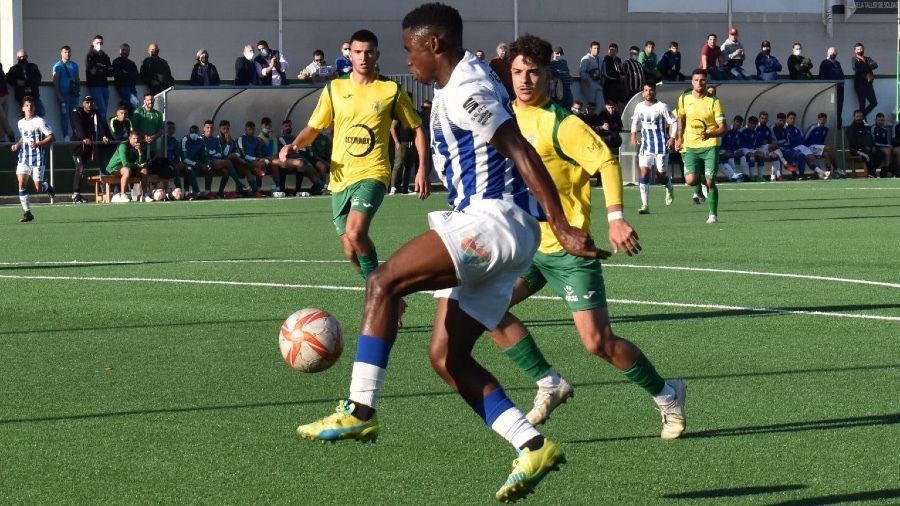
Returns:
<point x="32" y="157"/>
<point x="472" y="255"/>
<point x="658" y="127"/>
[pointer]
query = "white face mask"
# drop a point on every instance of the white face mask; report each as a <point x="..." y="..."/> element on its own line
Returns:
<point x="195" y="136"/>
<point x="248" y="55"/>
<point x="98" y="47"/>
<point x="796" y="52"/>
<point x="266" y="130"/>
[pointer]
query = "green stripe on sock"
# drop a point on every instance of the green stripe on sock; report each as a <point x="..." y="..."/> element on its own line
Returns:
<point x="529" y="358"/>
<point x="368" y="263"/>
<point x="644" y="375"/>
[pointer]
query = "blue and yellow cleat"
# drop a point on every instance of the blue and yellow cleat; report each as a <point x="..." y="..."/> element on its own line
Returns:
<point x="341" y="425"/>
<point x="529" y="469"/>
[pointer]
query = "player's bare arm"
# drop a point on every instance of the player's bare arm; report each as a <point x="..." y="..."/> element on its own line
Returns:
<point x="421" y="186"/>
<point x="509" y="141"/>
<point x="303" y="139"/>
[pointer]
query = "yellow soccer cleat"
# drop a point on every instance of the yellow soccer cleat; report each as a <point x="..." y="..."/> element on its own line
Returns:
<point x="529" y="469"/>
<point x="341" y="425"/>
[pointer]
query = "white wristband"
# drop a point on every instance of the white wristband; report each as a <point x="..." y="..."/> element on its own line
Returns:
<point x="615" y="215"/>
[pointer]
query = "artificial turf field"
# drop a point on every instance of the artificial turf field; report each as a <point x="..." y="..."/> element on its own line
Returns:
<point x="160" y="381"/>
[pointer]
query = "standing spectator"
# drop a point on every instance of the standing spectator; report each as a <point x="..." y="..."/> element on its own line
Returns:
<point x="155" y="71"/>
<point x="561" y="79"/>
<point x="90" y="128"/>
<point x="830" y="70"/>
<point x="647" y="59"/>
<point x="501" y="66"/>
<point x="670" y="64"/>
<point x="245" y="69"/>
<point x="733" y="54"/>
<point x="317" y="71"/>
<point x="25" y="78"/>
<point x="799" y="66"/>
<point x="97" y="72"/>
<point x="590" y="75"/>
<point x="632" y="76"/>
<point x="710" y="54"/>
<point x="32" y="156"/>
<point x="204" y="72"/>
<point x="67" y="87"/>
<point x="270" y="65"/>
<point x="863" y="78"/>
<point x="611" y="68"/>
<point x="342" y="65"/>
<point x="148" y="123"/>
<point x="6" y="131"/>
<point x="125" y="78"/>
<point x="767" y="66"/>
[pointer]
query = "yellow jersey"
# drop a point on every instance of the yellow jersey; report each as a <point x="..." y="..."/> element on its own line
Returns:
<point x="362" y="115"/>
<point x="701" y="114"/>
<point x="572" y="153"/>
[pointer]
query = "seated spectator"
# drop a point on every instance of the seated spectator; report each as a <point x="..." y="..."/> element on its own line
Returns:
<point x="815" y="141"/>
<point x="880" y="138"/>
<point x="560" y="79"/>
<point x="120" y="125"/>
<point x="314" y="169"/>
<point x="195" y="159"/>
<point x="245" y="69"/>
<point x="733" y="54"/>
<point x="610" y="125"/>
<point x="670" y="64"/>
<point x="767" y="147"/>
<point x="250" y="149"/>
<point x="749" y="158"/>
<point x="861" y="143"/>
<point x="271" y="67"/>
<point x="710" y="54"/>
<point x="125" y="78"/>
<point x="797" y="142"/>
<point x="577" y="108"/>
<point x="91" y="130"/>
<point x="729" y="149"/>
<point x="343" y="65"/>
<point x="799" y="66"/>
<point x="767" y="66"/>
<point x="204" y="72"/>
<point x="318" y="71"/>
<point x="129" y="161"/>
<point x="647" y="60"/>
<point x="225" y="160"/>
<point x="269" y="149"/>
<point x="174" y="157"/>
<point x="155" y="71"/>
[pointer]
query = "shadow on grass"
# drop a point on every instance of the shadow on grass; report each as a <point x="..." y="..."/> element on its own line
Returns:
<point x="830" y="424"/>
<point x="872" y="495"/>
<point x="153" y="325"/>
<point x="196" y="409"/>
<point x="838" y="218"/>
<point x="890" y="205"/>
<point x="733" y="492"/>
<point x="219" y="216"/>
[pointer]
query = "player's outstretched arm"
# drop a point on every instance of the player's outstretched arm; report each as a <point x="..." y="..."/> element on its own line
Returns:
<point x="509" y="141"/>
<point x="421" y="185"/>
<point x="303" y="139"/>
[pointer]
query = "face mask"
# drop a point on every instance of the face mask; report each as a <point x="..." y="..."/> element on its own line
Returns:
<point x="248" y="55"/>
<point x="264" y="53"/>
<point x="576" y="111"/>
<point x="23" y="59"/>
<point x="195" y="136"/>
<point x="796" y="52"/>
<point x="98" y="47"/>
<point x="266" y="130"/>
<point x="832" y="56"/>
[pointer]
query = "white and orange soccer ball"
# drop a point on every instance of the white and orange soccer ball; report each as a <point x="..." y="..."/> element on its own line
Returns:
<point x="311" y="340"/>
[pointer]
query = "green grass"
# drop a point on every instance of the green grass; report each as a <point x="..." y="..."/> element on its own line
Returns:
<point x="143" y="392"/>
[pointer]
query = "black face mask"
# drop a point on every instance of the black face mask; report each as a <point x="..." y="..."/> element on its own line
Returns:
<point x="23" y="60"/>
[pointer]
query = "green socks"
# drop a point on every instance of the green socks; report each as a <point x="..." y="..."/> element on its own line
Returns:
<point x="644" y="375"/>
<point x="712" y="200"/>
<point x="529" y="358"/>
<point x="368" y="263"/>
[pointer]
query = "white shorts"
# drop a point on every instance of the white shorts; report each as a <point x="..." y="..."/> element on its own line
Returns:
<point x="35" y="171"/>
<point x="817" y="149"/>
<point x="803" y="150"/>
<point x="651" y="160"/>
<point x="492" y="243"/>
<point x="744" y="151"/>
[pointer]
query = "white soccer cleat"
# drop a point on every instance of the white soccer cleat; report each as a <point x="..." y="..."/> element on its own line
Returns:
<point x="674" y="419"/>
<point x="644" y="210"/>
<point x="549" y="398"/>
<point x="712" y="219"/>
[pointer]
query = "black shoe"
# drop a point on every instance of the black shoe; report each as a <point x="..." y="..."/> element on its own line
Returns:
<point x="26" y="217"/>
<point x="50" y="191"/>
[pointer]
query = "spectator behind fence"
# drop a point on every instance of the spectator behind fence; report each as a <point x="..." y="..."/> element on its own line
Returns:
<point x="204" y="72"/>
<point x="25" y="78"/>
<point x="90" y="128"/>
<point x="125" y="78"/>
<point x="830" y="70"/>
<point x="799" y="66"/>
<point x="67" y="86"/>
<point x="318" y="71"/>
<point x="560" y="79"/>
<point x="863" y="79"/>
<point x="670" y="64"/>
<point x="733" y="54"/>
<point x="591" y="75"/>
<point x="155" y="71"/>
<point x="6" y="131"/>
<point x="245" y="68"/>
<point x="342" y="65"/>
<point x="647" y="59"/>
<point x="767" y="66"/>
<point x="271" y="67"/>
<point x="97" y="71"/>
<point x="120" y="125"/>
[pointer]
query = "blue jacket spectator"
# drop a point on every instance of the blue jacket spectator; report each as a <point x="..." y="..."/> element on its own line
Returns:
<point x="767" y="66"/>
<point x="342" y="65"/>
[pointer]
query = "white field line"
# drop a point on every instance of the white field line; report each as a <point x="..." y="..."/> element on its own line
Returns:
<point x="88" y="263"/>
<point x="359" y="289"/>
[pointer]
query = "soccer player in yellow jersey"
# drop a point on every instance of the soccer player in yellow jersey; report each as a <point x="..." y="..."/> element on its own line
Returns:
<point x="701" y="124"/>
<point x="573" y="153"/>
<point x="361" y="106"/>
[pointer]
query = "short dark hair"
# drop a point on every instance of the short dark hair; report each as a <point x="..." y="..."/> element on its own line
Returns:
<point x="613" y="45"/>
<point x="673" y="43"/>
<point x="858" y="111"/>
<point x="65" y="47"/>
<point x="193" y="127"/>
<point x="224" y="122"/>
<point x="364" y="36"/>
<point x="318" y="52"/>
<point x="534" y="49"/>
<point x="595" y="43"/>
<point x="712" y="35"/>
<point x="752" y="119"/>
<point x="265" y="120"/>
<point x="763" y="113"/>
<point x="97" y="37"/>
<point x="285" y="122"/>
<point x="249" y="123"/>
<point x="792" y="113"/>
<point x="148" y="93"/>
<point x="29" y="99"/>
<point x="208" y="122"/>
<point x="781" y="115"/>
<point x="879" y="115"/>
<point x="262" y="43"/>
<point x="634" y="48"/>
<point x="649" y="43"/>
<point x="439" y="18"/>
<point x="168" y="123"/>
<point x="738" y="118"/>
<point x="823" y="115"/>
<point x="650" y="85"/>
<point x="701" y="72"/>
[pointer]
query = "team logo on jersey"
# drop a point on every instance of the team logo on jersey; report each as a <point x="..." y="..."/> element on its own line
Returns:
<point x="473" y="253"/>
<point x="360" y="140"/>
<point x="477" y="112"/>
<point x="588" y="295"/>
<point x="376" y="106"/>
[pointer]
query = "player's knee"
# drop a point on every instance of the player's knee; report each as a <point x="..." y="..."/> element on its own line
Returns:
<point x="601" y="343"/>
<point x="357" y="236"/>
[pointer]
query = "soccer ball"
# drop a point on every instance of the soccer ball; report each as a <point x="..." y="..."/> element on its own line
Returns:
<point x="177" y="194"/>
<point x="159" y="194"/>
<point x="311" y="340"/>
